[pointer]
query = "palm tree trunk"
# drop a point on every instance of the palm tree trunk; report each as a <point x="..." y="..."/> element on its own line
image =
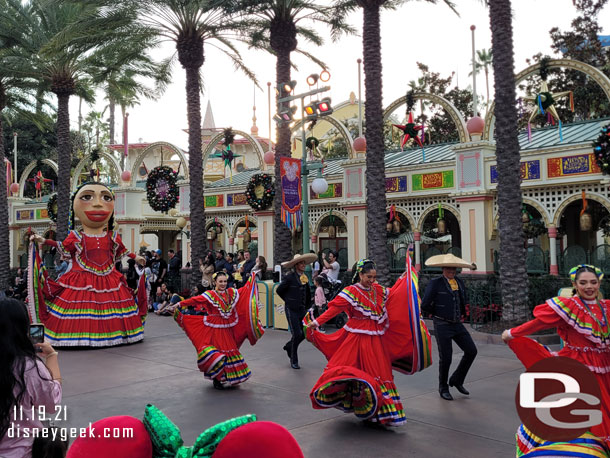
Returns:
<point x="111" y="121"/>
<point x="64" y="164"/>
<point x="197" y="204"/>
<point x="282" y="243"/>
<point x="4" y="230"/>
<point x="513" y="274"/>
<point x="375" y="166"/>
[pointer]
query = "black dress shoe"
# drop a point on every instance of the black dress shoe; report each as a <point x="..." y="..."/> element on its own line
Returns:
<point x="460" y="388"/>
<point x="288" y="349"/>
<point x="445" y="394"/>
<point x="295" y="365"/>
<point x="218" y="384"/>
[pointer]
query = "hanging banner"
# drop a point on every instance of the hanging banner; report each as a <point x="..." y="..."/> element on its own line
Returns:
<point x="290" y="174"/>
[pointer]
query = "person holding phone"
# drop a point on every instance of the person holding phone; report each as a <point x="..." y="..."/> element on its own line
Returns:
<point x="29" y="379"/>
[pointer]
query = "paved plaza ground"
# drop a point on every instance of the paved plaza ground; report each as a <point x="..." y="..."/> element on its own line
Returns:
<point x="161" y="370"/>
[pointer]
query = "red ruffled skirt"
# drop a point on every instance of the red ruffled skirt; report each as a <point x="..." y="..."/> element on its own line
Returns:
<point x="218" y="355"/>
<point x="358" y="378"/>
<point x="85" y="309"/>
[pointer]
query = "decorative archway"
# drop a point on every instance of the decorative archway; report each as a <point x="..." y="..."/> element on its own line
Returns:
<point x="450" y="208"/>
<point x="347" y="137"/>
<point x="570" y="64"/>
<point x="406" y="214"/>
<point x="242" y="220"/>
<point x="258" y="148"/>
<point x="148" y="149"/>
<point x="575" y="197"/>
<point x="31" y="166"/>
<point x="318" y="223"/>
<point x="456" y="116"/>
<point x="215" y="219"/>
<point x="85" y="160"/>
<point x="546" y="218"/>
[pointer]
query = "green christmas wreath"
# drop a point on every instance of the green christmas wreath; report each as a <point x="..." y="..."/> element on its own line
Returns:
<point x="52" y="207"/>
<point x="601" y="149"/>
<point x="161" y="188"/>
<point x="260" y="191"/>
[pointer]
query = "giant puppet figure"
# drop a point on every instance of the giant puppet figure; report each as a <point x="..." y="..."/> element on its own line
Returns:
<point x="91" y="304"/>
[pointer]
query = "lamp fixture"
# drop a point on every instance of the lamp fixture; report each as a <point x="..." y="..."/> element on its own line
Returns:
<point x="312" y="79"/>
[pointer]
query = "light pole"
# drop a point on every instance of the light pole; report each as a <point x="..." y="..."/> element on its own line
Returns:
<point x="305" y="167"/>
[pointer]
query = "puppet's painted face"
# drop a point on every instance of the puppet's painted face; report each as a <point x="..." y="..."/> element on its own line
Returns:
<point x="94" y="205"/>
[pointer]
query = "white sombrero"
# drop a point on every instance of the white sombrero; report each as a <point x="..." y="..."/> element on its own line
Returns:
<point x="448" y="260"/>
<point x="308" y="258"/>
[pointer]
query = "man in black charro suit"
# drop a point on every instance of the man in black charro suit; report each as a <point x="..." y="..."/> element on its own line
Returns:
<point x="295" y="290"/>
<point x="445" y="299"/>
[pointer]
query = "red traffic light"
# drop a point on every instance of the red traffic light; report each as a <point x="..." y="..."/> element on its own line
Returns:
<point x="324" y="106"/>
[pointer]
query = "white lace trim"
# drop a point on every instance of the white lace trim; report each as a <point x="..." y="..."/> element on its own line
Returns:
<point x="365" y="331"/>
<point x="379" y="318"/>
<point x="222" y="313"/>
<point x="213" y="325"/>
<point x="90" y="288"/>
<point x="96" y="236"/>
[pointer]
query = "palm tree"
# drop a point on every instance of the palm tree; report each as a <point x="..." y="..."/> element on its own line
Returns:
<point x="373" y="114"/>
<point x="122" y="81"/>
<point x="59" y="44"/>
<point x="484" y="60"/>
<point x="189" y="24"/>
<point x="277" y="26"/>
<point x="513" y="274"/>
<point x="16" y="95"/>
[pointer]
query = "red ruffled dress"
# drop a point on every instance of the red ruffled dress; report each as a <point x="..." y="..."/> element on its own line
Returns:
<point x="583" y="326"/>
<point x="384" y="332"/>
<point x="91" y="304"/>
<point x="232" y="316"/>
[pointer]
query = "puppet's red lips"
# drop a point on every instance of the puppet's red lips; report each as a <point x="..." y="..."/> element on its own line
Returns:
<point x="97" y="216"/>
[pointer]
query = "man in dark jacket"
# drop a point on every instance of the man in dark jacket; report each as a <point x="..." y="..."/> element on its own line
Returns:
<point x="296" y="293"/>
<point x="445" y="299"/>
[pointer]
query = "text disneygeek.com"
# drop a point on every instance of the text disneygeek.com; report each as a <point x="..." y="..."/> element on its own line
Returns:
<point x="63" y="434"/>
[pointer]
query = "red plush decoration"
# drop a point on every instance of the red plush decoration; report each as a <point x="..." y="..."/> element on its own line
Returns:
<point x="137" y="446"/>
<point x="259" y="439"/>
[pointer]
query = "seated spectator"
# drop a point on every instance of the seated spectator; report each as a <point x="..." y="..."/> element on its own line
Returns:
<point x="29" y="379"/>
<point x="168" y="306"/>
<point x="161" y="298"/>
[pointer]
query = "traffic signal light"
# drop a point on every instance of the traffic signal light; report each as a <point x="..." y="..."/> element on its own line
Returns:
<point x="311" y="111"/>
<point x="324" y="106"/>
<point x="286" y="114"/>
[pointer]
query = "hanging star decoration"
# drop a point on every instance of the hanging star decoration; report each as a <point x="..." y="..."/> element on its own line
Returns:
<point x="409" y="130"/>
<point x="38" y="181"/>
<point x="544" y="102"/>
<point x="227" y="154"/>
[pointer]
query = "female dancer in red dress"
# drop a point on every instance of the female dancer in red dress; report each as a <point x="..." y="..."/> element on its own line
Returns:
<point x="384" y="332"/>
<point x="582" y="323"/>
<point x="91" y="304"/>
<point x="231" y="317"/>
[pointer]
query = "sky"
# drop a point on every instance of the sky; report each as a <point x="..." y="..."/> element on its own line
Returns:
<point x="417" y="32"/>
